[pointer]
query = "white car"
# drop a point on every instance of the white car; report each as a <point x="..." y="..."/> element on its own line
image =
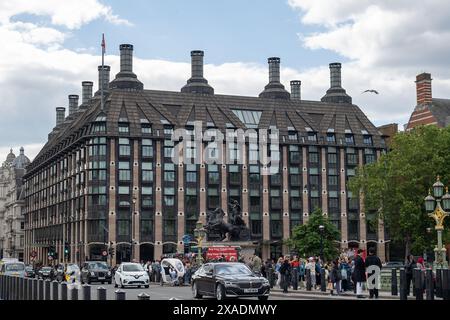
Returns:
<point x="131" y="274"/>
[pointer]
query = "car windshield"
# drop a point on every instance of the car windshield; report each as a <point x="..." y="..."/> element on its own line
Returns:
<point x="234" y="269"/>
<point x="15" y="267"/>
<point x="132" y="267"/>
<point x="29" y="268"/>
<point x="46" y="269"/>
<point x="98" y="265"/>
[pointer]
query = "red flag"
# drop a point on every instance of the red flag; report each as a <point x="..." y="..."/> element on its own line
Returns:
<point x="103" y="43"/>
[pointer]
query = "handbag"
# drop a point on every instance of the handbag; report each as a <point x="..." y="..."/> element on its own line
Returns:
<point x="330" y="286"/>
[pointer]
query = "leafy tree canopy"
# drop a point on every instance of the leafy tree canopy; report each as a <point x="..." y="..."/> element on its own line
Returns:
<point x="397" y="184"/>
<point x="306" y="238"/>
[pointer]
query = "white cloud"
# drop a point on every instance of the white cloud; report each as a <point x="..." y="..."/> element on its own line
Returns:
<point x="388" y="43"/>
<point x="68" y="13"/>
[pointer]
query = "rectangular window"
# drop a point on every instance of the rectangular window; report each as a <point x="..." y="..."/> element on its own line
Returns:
<point x="124" y="190"/>
<point x="349" y="139"/>
<point x="146" y="128"/>
<point x="124" y="128"/>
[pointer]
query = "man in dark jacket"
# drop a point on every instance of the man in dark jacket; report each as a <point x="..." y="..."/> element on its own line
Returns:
<point x="409" y="268"/>
<point x="359" y="274"/>
<point x="285" y="272"/>
<point x="373" y="260"/>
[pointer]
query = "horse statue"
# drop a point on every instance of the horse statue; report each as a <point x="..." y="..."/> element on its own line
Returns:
<point x="217" y="229"/>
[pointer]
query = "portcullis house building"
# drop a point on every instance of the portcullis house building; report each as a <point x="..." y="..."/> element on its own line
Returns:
<point x="106" y="179"/>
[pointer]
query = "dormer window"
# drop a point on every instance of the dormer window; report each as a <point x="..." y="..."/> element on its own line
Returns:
<point x="168" y="131"/>
<point x="124" y="127"/>
<point x="312" y="137"/>
<point x="331" y="137"/>
<point x="293" y="135"/>
<point x="349" y="139"/>
<point x="368" y="140"/>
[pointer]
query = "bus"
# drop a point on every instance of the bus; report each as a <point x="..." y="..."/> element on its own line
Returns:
<point x="12" y="267"/>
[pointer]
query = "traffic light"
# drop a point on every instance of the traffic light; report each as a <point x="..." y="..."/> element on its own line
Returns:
<point x="111" y="251"/>
<point x="66" y="249"/>
<point x="52" y="252"/>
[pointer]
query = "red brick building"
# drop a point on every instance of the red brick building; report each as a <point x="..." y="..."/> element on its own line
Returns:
<point x="429" y="110"/>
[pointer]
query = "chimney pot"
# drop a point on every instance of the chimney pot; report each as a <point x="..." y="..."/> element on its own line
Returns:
<point x="423" y="89"/>
<point x="126" y="58"/>
<point x="197" y="83"/>
<point x="335" y="75"/>
<point x="60" y="115"/>
<point x="73" y="103"/>
<point x="197" y="63"/>
<point x="86" y="91"/>
<point x="296" y="90"/>
<point x="274" y="69"/>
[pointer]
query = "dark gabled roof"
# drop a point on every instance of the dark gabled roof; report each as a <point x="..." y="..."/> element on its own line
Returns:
<point x="179" y="109"/>
<point x="440" y="108"/>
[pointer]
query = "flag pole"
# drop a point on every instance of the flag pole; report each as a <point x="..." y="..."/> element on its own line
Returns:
<point x="102" y="73"/>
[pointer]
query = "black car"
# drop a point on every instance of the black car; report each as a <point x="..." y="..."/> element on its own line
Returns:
<point x="45" y="273"/>
<point x="96" y="271"/>
<point x="29" y="272"/>
<point x="228" y="279"/>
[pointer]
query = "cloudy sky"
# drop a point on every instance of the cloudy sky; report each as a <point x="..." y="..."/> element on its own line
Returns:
<point x="50" y="46"/>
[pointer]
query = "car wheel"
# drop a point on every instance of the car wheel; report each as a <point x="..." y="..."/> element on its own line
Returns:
<point x="263" y="298"/>
<point x="88" y="281"/>
<point x="110" y="281"/>
<point x="220" y="292"/>
<point x="121" y="284"/>
<point x="115" y="284"/>
<point x="195" y="291"/>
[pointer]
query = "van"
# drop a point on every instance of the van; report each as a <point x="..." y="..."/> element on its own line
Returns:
<point x="12" y="267"/>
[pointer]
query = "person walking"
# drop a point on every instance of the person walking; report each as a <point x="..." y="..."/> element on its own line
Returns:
<point x="256" y="264"/>
<point x="285" y="271"/>
<point x="373" y="260"/>
<point x="301" y="273"/>
<point x="409" y="267"/>
<point x="344" y="269"/>
<point x="359" y="274"/>
<point x="277" y="271"/>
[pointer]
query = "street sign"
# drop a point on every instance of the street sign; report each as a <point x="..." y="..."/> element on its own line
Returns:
<point x="104" y="253"/>
<point x="186" y="239"/>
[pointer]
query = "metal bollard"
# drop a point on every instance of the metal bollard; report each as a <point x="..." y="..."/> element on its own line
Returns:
<point x="323" y="286"/>
<point x="429" y="284"/>
<point x="403" y="295"/>
<point x="445" y="284"/>
<point x="86" y="292"/>
<point x="143" y="296"/>
<point x="1" y="286"/>
<point x="439" y="283"/>
<point x="308" y="280"/>
<point x="21" y="288"/>
<point x="55" y="288"/>
<point x="120" y="295"/>
<point x="101" y="293"/>
<point x="41" y="289"/>
<point x="47" y="287"/>
<point x="35" y="289"/>
<point x="25" y="288"/>
<point x="295" y="279"/>
<point x="74" y="293"/>
<point x="394" y="286"/>
<point x="64" y="291"/>
<point x="418" y="284"/>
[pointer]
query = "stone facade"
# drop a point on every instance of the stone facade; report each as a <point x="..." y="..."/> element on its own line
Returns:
<point x="11" y="205"/>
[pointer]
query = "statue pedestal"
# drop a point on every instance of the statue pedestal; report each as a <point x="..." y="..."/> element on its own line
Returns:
<point x="247" y="248"/>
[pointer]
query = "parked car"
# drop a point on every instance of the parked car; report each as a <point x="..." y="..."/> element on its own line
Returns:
<point x="96" y="271"/>
<point x="29" y="272"/>
<point x="131" y="274"/>
<point x="45" y="273"/>
<point x="228" y="279"/>
<point x="12" y="267"/>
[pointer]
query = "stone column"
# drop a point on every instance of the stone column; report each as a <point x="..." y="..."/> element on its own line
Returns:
<point x="203" y="195"/>
<point x="245" y="192"/>
<point x="266" y="217"/>
<point x="285" y="177"/>
<point x="324" y="182"/>
<point x="158" y="204"/>
<point x="137" y="195"/>
<point x="181" y="214"/>
<point x="112" y="199"/>
<point x="305" y="201"/>
<point x="344" y="225"/>
<point x="362" y="211"/>
<point x="224" y="193"/>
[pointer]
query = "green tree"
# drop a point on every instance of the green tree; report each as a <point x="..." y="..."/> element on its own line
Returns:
<point x="305" y="238"/>
<point x="397" y="184"/>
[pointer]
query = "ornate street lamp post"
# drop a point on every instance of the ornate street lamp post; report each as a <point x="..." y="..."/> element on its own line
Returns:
<point x="200" y="234"/>
<point x="321" y="229"/>
<point x="438" y="213"/>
